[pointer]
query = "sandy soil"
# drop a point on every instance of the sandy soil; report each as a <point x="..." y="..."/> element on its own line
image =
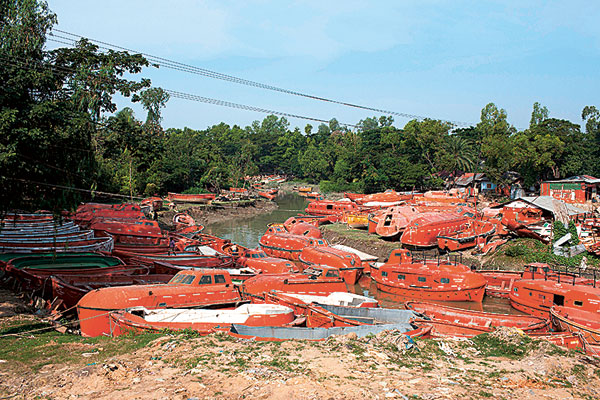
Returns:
<point x="183" y="366"/>
<point x="217" y="366"/>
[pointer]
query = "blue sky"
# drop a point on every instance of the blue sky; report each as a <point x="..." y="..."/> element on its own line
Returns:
<point x="439" y="59"/>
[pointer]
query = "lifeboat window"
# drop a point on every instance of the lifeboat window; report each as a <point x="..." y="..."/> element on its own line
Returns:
<point x="329" y="207"/>
<point x="559" y="300"/>
<point x="262" y="255"/>
<point x="332" y="274"/>
<point x="422" y="279"/>
<point x="578" y="303"/>
<point x="205" y="280"/>
<point x="320" y="242"/>
<point x="541" y="296"/>
<point x="148" y="223"/>
<point x="254" y="256"/>
<point x="401" y="277"/>
<point x="445" y="280"/>
<point x="187" y="279"/>
<point x="383" y="273"/>
<point x="516" y="289"/>
<point x="219" y="278"/>
<point x="176" y="279"/>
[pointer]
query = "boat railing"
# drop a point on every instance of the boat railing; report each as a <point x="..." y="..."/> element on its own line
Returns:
<point x="447" y="259"/>
<point x="562" y="274"/>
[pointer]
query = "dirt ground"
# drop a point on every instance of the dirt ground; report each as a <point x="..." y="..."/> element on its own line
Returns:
<point x="51" y="365"/>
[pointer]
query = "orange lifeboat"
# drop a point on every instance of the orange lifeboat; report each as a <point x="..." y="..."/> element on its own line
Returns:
<point x="259" y="261"/>
<point x="475" y="233"/>
<point x="537" y="296"/>
<point x="359" y="220"/>
<point x="87" y="212"/>
<point x="434" y="279"/>
<point x="330" y="207"/>
<point x="578" y="321"/>
<point x="319" y="280"/>
<point x="389" y="196"/>
<point x="304" y="229"/>
<point x="276" y="242"/>
<point x="267" y="195"/>
<point x="129" y="231"/>
<point x="349" y="264"/>
<point x="198" y="288"/>
<point x="394" y="220"/>
<point x="457" y="318"/>
<point x="190" y="198"/>
<point x="423" y="231"/>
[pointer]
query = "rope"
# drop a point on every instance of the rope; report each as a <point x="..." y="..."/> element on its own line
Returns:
<point x="66" y="324"/>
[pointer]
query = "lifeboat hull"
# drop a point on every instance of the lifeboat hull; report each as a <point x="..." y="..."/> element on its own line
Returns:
<point x="200" y="320"/>
<point x="581" y="322"/>
<point x="349" y="264"/>
<point x="423" y="231"/>
<point x="472" y="294"/>
<point x="478" y="318"/>
<point x="94" y="307"/>
<point x="321" y="285"/>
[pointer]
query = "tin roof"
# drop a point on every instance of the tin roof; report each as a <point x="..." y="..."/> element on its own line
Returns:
<point x="468" y="178"/>
<point x="551" y="204"/>
<point x="578" y="178"/>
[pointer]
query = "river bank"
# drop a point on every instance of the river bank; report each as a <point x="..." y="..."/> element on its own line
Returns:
<point x="211" y="214"/>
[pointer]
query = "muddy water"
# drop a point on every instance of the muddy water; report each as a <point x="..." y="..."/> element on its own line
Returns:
<point x="248" y="231"/>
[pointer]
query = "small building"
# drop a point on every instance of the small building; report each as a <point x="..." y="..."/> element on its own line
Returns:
<point x="576" y="189"/>
<point x="477" y="181"/>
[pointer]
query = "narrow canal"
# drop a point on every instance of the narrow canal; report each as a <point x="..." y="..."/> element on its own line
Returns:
<point x="248" y="231"/>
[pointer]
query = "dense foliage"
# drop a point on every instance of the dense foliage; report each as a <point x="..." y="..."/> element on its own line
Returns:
<point x="59" y="129"/>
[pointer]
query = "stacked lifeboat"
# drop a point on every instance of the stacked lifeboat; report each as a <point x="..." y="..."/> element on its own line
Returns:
<point x="39" y="233"/>
<point x="278" y="242"/>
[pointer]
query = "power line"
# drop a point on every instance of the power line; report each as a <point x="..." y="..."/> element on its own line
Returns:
<point x="71" y="188"/>
<point x="193" y="97"/>
<point x="234" y="79"/>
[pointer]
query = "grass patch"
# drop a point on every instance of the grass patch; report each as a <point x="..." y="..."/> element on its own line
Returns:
<point x="33" y="351"/>
<point x="491" y="346"/>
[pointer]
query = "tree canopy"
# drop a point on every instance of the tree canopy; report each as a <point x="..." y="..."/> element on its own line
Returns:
<point x="62" y="137"/>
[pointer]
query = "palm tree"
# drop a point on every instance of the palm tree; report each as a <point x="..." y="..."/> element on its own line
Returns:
<point x="461" y="153"/>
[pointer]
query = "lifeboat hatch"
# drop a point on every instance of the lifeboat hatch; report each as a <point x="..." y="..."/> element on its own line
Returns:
<point x="559" y="300"/>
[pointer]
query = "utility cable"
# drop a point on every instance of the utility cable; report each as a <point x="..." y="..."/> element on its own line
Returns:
<point x="234" y="79"/>
<point x="208" y="100"/>
<point x="73" y="188"/>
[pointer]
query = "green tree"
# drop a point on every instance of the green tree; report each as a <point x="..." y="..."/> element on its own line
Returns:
<point x="494" y="121"/>
<point x="153" y="100"/>
<point x="538" y="115"/>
